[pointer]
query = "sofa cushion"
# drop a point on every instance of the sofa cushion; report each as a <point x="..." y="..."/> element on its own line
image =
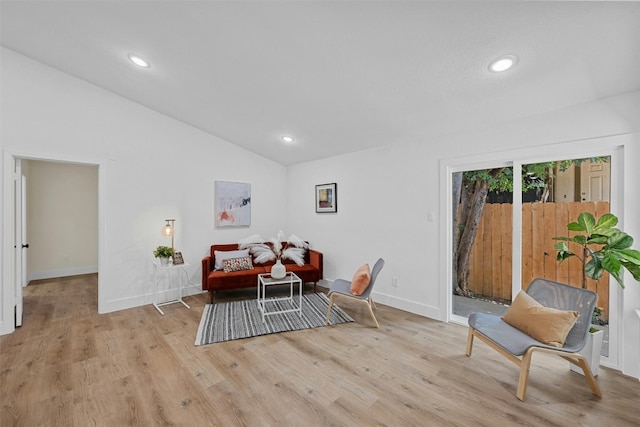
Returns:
<point x="222" y="255"/>
<point x="237" y="264"/>
<point x="360" y="280"/>
<point x="306" y="273"/>
<point x="219" y="280"/>
<point x="548" y="325"/>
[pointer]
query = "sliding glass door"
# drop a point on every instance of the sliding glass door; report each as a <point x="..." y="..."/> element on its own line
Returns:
<point x="482" y="240"/>
<point x="563" y="189"/>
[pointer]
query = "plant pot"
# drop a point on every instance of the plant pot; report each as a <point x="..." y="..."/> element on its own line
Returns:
<point x="592" y="350"/>
<point x="278" y="271"/>
<point x="164" y="261"/>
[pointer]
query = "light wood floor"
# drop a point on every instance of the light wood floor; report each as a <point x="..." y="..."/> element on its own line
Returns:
<point x="69" y="366"/>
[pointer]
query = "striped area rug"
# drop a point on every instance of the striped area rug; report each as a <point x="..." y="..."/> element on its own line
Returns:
<point x="242" y="319"/>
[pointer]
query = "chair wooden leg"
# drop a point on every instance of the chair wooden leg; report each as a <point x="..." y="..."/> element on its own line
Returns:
<point x="595" y="389"/>
<point x="372" y="302"/>
<point x="470" y="341"/>
<point x="525" y="365"/>
<point x="326" y="320"/>
<point x="373" y="315"/>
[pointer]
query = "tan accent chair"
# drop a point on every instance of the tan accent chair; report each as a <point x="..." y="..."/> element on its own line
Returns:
<point x="519" y="347"/>
<point x="342" y="288"/>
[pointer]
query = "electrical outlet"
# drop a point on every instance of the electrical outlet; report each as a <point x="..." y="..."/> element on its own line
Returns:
<point x="394" y="282"/>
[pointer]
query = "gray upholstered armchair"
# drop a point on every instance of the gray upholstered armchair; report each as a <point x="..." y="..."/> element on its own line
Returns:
<point x="519" y="347"/>
<point x="342" y="288"/>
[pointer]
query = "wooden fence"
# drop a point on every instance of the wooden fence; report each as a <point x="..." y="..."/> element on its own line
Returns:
<point x="490" y="262"/>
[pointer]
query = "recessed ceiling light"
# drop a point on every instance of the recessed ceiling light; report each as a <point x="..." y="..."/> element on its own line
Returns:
<point x="138" y="61"/>
<point x="287" y="139"/>
<point x="503" y="63"/>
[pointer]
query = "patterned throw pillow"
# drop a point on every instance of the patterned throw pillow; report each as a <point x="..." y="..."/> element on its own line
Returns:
<point x="220" y="256"/>
<point x="237" y="264"/>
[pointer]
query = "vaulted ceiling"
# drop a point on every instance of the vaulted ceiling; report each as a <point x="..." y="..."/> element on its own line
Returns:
<point x="337" y="76"/>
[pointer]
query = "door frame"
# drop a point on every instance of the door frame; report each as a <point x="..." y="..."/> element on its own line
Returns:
<point x="603" y="146"/>
<point x="19" y="194"/>
<point x="7" y="289"/>
<point x="23" y="212"/>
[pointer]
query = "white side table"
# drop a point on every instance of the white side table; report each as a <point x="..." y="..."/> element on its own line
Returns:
<point x="171" y="271"/>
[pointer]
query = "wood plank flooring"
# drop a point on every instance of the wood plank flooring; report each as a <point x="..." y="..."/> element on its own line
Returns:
<point x="69" y="366"/>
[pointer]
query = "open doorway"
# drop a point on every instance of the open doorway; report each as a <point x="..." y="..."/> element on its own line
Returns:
<point x="60" y="224"/>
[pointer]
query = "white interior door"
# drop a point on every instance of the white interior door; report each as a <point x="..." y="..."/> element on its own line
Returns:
<point x="18" y="240"/>
<point x="595" y="181"/>
<point x="25" y="246"/>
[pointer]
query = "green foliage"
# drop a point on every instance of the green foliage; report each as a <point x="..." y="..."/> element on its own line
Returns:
<point x="534" y="175"/>
<point x="501" y="183"/>
<point x="598" y="317"/>
<point x="163" y="252"/>
<point x="604" y="248"/>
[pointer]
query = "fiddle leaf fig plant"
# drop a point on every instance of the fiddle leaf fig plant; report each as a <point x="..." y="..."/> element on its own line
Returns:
<point x="604" y="248"/>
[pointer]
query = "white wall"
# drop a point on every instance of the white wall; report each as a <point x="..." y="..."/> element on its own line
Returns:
<point x="62" y="219"/>
<point x="151" y="167"/>
<point x="386" y="194"/>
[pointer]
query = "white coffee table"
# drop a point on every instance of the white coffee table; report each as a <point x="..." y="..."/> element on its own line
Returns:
<point x="265" y="280"/>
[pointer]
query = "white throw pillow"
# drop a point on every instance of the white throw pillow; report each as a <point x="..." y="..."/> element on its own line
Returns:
<point x="222" y="255"/>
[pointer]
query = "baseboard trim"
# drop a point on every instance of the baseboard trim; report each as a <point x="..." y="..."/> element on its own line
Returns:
<point x="407" y="305"/>
<point x="147" y="299"/>
<point x="52" y="274"/>
<point x="399" y="303"/>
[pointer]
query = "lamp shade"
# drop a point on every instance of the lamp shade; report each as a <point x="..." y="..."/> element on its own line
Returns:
<point x="168" y="229"/>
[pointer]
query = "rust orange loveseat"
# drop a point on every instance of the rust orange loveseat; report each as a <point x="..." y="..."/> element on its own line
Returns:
<point x="218" y="280"/>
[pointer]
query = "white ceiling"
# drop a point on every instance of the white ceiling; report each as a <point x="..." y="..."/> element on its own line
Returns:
<point x="337" y="76"/>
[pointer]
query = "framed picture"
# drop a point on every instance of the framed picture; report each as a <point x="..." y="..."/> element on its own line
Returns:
<point x="232" y="204"/>
<point x="177" y="258"/>
<point x="327" y="198"/>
